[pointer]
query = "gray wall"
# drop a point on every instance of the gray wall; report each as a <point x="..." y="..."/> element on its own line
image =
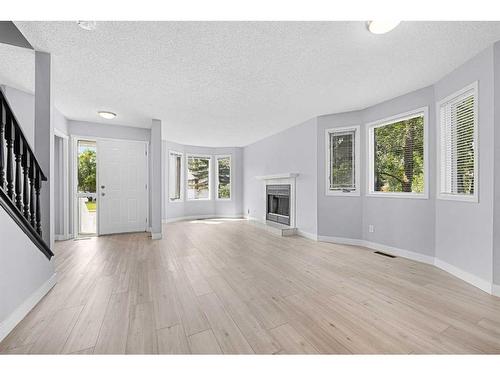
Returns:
<point x="292" y="150"/>
<point x="496" y="219"/>
<point x="402" y="223"/>
<point x="212" y="207"/>
<point x="338" y="216"/>
<point x="464" y="230"/>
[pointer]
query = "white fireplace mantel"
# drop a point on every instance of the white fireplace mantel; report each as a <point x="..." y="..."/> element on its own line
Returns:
<point x="277" y="176"/>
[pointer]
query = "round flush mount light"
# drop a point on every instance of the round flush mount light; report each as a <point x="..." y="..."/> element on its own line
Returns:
<point x="107" y="115"/>
<point x="87" y="25"/>
<point x="382" y="27"/>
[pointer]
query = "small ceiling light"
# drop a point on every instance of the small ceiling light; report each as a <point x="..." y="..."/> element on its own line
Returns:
<point x="107" y="115"/>
<point x="87" y="25"/>
<point x="382" y="27"/>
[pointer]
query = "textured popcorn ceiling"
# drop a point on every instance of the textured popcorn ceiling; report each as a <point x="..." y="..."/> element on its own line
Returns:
<point x="233" y="83"/>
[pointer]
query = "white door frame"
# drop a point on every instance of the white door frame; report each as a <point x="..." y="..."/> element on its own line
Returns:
<point x="64" y="166"/>
<point x="74" y="171"/>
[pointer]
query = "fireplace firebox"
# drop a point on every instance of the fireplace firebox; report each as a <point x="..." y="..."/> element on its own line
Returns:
<point x="278" y="203"/>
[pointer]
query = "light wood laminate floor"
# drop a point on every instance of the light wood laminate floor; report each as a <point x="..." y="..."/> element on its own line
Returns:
<point x="227" y="286"/>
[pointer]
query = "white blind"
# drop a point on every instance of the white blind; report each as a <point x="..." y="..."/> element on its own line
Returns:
<point x="174" y="176"/>
<point x="342" y="160"/>
<point x="457" y="137"/>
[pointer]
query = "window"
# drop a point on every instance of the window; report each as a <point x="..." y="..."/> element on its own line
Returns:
<point x="458" y="159"/>
<point x="342" y="161"/>
<point x="198" y="177"/>
<point x="175" y="177"/>
<point x="397" y="153"/>
<point x="223" y="177"/>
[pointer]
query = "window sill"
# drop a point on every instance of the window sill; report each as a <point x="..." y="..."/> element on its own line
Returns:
<point x="330" y="193"/>
<point x="398" y="195"/>
<point x="176" y="201"/>
<point x="458" y="198"/>
<point x="198" y="200"/>
<point x="223" y="199"/>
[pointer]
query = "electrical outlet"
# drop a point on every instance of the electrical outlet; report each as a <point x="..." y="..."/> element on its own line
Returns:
<point x="371" y="228"/>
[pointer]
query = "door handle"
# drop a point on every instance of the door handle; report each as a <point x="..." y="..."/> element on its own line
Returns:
<point x="102" y="186"/>
<point x="103" y="194"/>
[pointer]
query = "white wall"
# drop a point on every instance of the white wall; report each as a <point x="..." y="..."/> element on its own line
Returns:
<point x="23" y="271"/>
<point x="212" y="207"/>
<point x="292" y="150"/>
<point x="496" y="218"/>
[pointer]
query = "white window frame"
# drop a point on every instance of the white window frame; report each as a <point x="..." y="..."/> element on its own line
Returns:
<point x="370" y="178"/>
<point x="474" y="198"/>
<point x="217" y="157"/>
<point x="176" y="153"/>
<point x="357" y="164"/>
<point x="210" y="178"/>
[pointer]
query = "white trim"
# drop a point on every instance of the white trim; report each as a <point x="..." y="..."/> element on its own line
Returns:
<point x="495" y="290"/>
<point x="156" y="236"/>
<point x="217" y="157"/>
<point x="201" y="217"/>
<point x="311" y="236"/>
<point x="182" y="174"/>
<point x="380" y="247"/>
<point x="60" y="134"/>
<point x="474" y="280"/>
<point x="63" y="237"/>
<point x="277" y="176"/>
<point x="21" y="311"/>
<point x="477" y="281"/>
<point x="210" y="162"/>
<point x="370" y="157"/>
<point x="474" y="198"/>
<point x="357" y="164"/>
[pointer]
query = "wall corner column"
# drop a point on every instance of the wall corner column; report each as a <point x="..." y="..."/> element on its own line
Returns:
<point x="44" y="140"/>
<point x="156" y="180"/>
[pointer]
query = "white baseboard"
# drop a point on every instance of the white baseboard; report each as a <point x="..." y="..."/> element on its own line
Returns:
<point x="474" y="280"/>
<point x="200" y="217"/>
<point x="63" y="237"/>
<point x="311" y="236"/>
<point x="495" y="290"/>
<point x="18" y="314"/>
<point x="341" y="240"/>
<point x="156" y="236"/>
<point x="465" y="276"/>
<point x="380" y="247"/>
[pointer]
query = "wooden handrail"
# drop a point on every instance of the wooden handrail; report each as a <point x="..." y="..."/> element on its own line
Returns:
<point x="21" y="177"/>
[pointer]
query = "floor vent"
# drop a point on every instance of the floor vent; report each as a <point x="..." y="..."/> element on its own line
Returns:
<point x="385" y="254"/>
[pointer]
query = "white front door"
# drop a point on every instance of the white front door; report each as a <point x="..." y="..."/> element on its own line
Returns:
<point x="122" y="185"/>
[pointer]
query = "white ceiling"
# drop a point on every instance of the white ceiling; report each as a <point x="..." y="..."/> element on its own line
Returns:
<point x="233" y="83"/>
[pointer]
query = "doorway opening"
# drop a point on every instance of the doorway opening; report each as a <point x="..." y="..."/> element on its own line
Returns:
<point x="86" y="195"/>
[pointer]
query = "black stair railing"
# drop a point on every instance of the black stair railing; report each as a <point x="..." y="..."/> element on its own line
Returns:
<point x="20" y="178"/>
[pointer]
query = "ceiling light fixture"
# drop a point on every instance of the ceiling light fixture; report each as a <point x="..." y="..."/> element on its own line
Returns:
<point x="382" y="27"/>
<point x="87" y="25"/>
<point x="107" y="115"/>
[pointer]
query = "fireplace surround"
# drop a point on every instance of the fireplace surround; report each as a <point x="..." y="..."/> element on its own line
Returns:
<point x="278" y="203"/>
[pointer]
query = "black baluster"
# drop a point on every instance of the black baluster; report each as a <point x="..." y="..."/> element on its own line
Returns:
<point x="26" y="207"/>
<point x="32" y="191"/>
<point x="9" y="139"/>
<point x="17" y="159"/>
<point x="37" y="203"/>
<point x="2" y="156"/>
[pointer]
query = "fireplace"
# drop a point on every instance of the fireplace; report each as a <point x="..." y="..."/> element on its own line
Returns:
<point x="278" y="203"/>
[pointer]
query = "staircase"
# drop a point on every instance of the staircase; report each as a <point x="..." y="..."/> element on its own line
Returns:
<point x="21" y="178"/>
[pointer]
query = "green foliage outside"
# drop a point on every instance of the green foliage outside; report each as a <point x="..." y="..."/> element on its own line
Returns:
<point x="91" y="206"/>
<point x="399" y="156"/>
<point x="198" y="178"/>
<point x="87" y="171"/>
<point x="224" y="173"/>
<point x="342" y="176"/>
